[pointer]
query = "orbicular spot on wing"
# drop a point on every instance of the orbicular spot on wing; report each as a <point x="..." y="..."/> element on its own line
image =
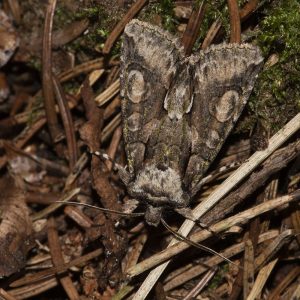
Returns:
<point x="136" y="86"/>
<point x="224" y="107"/>
<point x="134" y="122"/>
<point x="213" y="139"/>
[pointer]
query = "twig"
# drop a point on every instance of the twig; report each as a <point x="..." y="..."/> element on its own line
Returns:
<point x="255" y="160"/>
<point x="202" y="235"/>
<point x="134" y="9"/>
<point x="49" y="101"/>
<point x="248" y="272"/>
<point x="235" y="22"/>
<point x="110" y="127"/>
<point x="112" y="149"/>
<point x="197" y="270"/>
<point x="29" y="279"/>
<point x="67" y="122"/>
<point x="57" y="259"/>
<point x="211" y="34"/>
<point x="88" y="66"/>
<point x="34" y="289"/>
<point x="245" y="12"/>
<point x="111" y="91"/>
<point x="261" y="279"/>
<point x="248" y="9"/>
<point x="5" y="295"/>
<point x="51" y="208"/>
<point x="191" y="32"/>
<point x="276" y="162"/>
<point x="200" y="285"/>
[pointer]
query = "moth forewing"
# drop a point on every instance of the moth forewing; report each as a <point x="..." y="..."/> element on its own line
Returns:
<point x="177" y="111"/>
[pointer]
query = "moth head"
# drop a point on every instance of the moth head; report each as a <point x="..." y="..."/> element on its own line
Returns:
<point x="159" y="187"/>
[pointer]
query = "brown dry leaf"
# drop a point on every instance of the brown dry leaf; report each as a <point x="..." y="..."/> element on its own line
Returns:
<point x="15" y="228"/>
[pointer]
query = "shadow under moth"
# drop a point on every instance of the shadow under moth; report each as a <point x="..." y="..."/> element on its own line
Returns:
<point x="177" y="111"/>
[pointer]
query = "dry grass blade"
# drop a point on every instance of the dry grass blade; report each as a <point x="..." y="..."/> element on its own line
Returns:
<point x="5" y="295"/>
<point x="273" y="248"/>
<point x="51" y="208"/>
<point x="24" y="137"/>
<point x="240" y="218"/>
<point x="67" y="121"/>
<point x="194" y="244"/>
<point x="35" y="289"/>
<point x="135" y="8"/>
<point x="112" y="149"/>
<point x="261" y="279"/>
<point x="255" y="160"/>
<point x="211" y="34"/>
<point x="190" y="35"/>
<point x="30" y="279"/>
<point x="248" y="276"/>
<point x="110" y="127"/>
<point x="57" y="259"/>
<point x="182" y="276"/>
<point x="110" y="92"/>
<point x="290" y="277"/>
<point x="15" y="10"/>
<point x="136" y="250"/>
<point x="296" y="294"/>
<point x="49" y="101"/>
<point x="248" y="9"/>
<point x="78" y="216"/>
<point x="235" y="23"/>
<point x="276" y="162"/>
<point x="200" y="285"/>
<point x="82" y="68"/>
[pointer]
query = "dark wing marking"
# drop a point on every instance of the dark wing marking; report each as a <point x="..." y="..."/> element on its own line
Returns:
<point x="224" y="76"/>
<point x="148" y="64"/>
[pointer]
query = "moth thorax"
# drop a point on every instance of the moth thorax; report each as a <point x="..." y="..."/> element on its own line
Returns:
<point x="159" y="187"/>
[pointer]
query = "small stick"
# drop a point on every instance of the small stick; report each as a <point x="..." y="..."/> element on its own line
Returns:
<point x="49" y="100"/>
<point x="57" y="259"/>
<point x="248" y="9"/>
<point x="235" y="22"/>
<point x="211" y="34"/>
<point x="67" y="122"/>
<point x="134" y="9"/>
<point x="202" y="235"/>
<point x="201" y="284"/>
<point x="255" y="160"/>
<point x="29" y="279"/>
<point x="191" y="32"/>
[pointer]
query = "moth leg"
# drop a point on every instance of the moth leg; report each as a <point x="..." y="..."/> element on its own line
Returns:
<point x="125" y="176"/>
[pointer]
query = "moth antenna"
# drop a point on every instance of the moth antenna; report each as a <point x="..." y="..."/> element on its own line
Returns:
<point x="105" y="156"/>
<point x="197" y="245"/>
<point x="105" y="210"/>
<point x="188" y="214"/>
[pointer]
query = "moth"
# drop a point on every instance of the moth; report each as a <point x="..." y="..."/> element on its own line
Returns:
<point x="177" y="112"/>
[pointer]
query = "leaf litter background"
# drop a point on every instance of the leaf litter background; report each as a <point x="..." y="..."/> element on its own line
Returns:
<point x="59" y="98"/>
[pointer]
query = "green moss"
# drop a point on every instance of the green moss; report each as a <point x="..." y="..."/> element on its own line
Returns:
<point x="163" y="9"/>
<point x="280" y="30"/>
<point x="276" y="97"/>
<point x="214" y="10"/>
<point x="91" y="13"/>
<point x="219" y="277"/>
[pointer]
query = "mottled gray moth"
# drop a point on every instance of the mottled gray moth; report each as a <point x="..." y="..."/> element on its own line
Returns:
<point x="177" y="111"/>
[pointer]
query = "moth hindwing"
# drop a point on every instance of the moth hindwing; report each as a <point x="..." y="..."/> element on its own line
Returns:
<point x="177" y="111"/>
